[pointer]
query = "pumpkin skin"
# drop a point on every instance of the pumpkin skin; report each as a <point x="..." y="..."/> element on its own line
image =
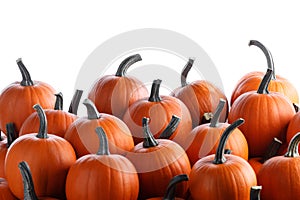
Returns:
<point x="5" y="193"/>
<point x="17" y="99"/>
<point x="49" y="156"/>
<point x="293" y="128"/>
<point x="102" y="176"/>
<point x="200" y="97"/>
<point x="112" y="94"/>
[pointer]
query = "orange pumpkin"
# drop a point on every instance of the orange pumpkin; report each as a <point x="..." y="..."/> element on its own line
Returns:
<point x="293" y="127"/>
<point x="251" y="81"/>
<point x="102" y="175"/>
<point x="50" y="157"/>
<point x="5" y="193"/>
<point x="200" y="96"/>
<point x="17" y="99"/>
<point x="112" y="94"/>
<point x="222" y="176"/>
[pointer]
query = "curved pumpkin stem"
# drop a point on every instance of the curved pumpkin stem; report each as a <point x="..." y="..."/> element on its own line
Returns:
<point x="255" y="192"/>
<point x="263" y="87"/>
<point x="75" y="102"/>
<point x="216" y="116"/>
<point x="292" y="150"/>
<point x="42" y="134"/>
<point x="272" y="150"/>
<point x="11" y="134"/>
<point x="186" y="70"/>
<point x="125" y="64"/>
<point x="103" y="147"/>
<point x="92" y="111"/>
<point x="219" y="156"/>
<point x="149" y="140"/>
<point x="171" y="128"/>
<point x="26" y="79"/>
<point x="267" y="54"/>
<point x="29" y="193"/>
<point x="59" y="101"/>
<point x="170" y="193"/>
<point x="154" y="95"/>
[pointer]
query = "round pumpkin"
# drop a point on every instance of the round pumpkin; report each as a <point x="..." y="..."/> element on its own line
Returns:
<point x="17" y="99"/>
<point x="49" y="156"/>
<point x="251" y="81"/>
<point x="112" y="94"/>
<point x="102" y="175"/>
<point x="200" y="97"/>
<point x="221" y="176"/>
<point x="293" y="127"/>
<point x="5" y="193"/>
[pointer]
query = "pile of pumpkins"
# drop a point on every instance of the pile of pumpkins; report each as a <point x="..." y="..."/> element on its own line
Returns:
<point x="134" y="144"/>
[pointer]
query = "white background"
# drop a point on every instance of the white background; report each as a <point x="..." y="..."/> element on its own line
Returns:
<point x="55" y="37"/>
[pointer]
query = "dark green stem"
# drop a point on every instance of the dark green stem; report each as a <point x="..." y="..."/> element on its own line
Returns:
<point x="171" y="128"/>
<point x="149" y="140"/>
<point x="125" y="64"/>
<point x="255" y="192"/>
<point x="272" y="150"/>
<point x="154" y="95"/>
<point x="29" y="193"/>
<point x="75" y="102"/>
<point x="206" y="118"/>
<point x="92" y="111"/>
<point x="186" y="70"/>
<point x="267" y="54"/>
<point x="59" y="101"/>
<point x="216" y="116"/>
<point x="263" y="87"/>
<point x="292" y="150"/>
<point x="11" y="134"/>
<point x="42" y="134"/>
<point x="296" y="107"/>
<point x="219" y="156"/>
<point x="26" y="79"/>
<point x="103" y="147"/>
<point x="171" y="189"/>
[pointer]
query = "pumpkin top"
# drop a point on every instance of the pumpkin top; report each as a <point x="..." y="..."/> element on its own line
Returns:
<point x="216" y="116"/>
<point x="92" y="111"/>
<point x="26" y="79"/>
<point x="75" y="102"/>
<point x="11" y="134"/>
<point x="126" y="63"/>
<point x="292" y="150"/>
<point x="149" y="140"/>
<point x="171" y="128"/>
<point x="43" y="132"/>
<point x="103" y="147"/>
<point x="263" y="87"/>
<point x="255" y="192"/>
<point x="170" y="193"/>
<point x="154" y="95"/>
<point x="186" y="69"/>
<point x="59" y="101"/>
<point x="29" y="193"/>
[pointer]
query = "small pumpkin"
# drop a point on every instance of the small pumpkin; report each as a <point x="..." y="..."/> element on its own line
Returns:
<point x="17" y="99"/>
<point x="5" y="193"/>
<point x="113" y="94"/>
<point x="102" y="175"/>
<point x="222" y="176"/>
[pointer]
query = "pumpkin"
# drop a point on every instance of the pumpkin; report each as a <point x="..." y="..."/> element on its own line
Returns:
<point x="112" y="94"/>
<point x="171" y="190"/>
<point x="251" y="81"/>
<point x="221" y="176"/>
<point x="280" y="175"/>
<point x="200" y="96"/>
<point x="57" y="119"/>
<point x="266" y="115"/>
<point x="157" y="162"/>
<point x="204" y="139"/>
<point x="80" y="133"/>
<point x="159" y="108"/>
<point x="293" y="127"/>
<point x="5" y="193"/>
<point x="17" y="99"/>
<point x="102" y="175"/>
<point x="49" y="156"/>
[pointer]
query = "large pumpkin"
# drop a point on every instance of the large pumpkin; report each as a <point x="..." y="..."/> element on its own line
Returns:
<point x="251" y="81"/>
<point x="220" y="176"/>
<point x="159" y="109"/>
<point x="49" y="156"/>
<point x="102" y="175"/>
<point x="17" y="99"/>
<point x="112" y="94"/>
<point x="266" y="115"/>
<point x="200" y="96"/>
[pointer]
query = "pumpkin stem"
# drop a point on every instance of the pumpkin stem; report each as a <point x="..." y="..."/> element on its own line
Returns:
<point x="267" y="54"/>
<point x="263" y="87"/>
<point x="292" y="150"/>
<point x="206" y="118"/>
<point x="272" y="150"/>
<point x="59" y="101"/>
<point x="125" y="64"/>
<point x="171" y="128"/>
<point x="186" y="70"/>
<point x="154" y="95"/>
<point x="42" y="134"/>
<point x="255" y="192"/>
<point x="219" y="156"/>
<point x="103" y="147"/>
<point x="75" y="102"/>
<point x="29" y="193"/>
<point x="171" y="189"/>
<point x="11" y="134"/>
<point x="149" y="140"/>
<point x="216" y="116"/>
<point x="26" y="79"/>
<point x="296" y="107"/>
<point x="92" y="111"/>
